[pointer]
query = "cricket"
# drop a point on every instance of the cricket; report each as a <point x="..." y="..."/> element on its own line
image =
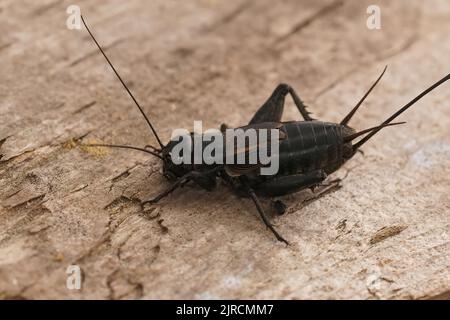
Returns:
<point x="309" y="150"/>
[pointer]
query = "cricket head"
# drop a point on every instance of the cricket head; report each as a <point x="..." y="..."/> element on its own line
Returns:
<point x="173" y="165"/>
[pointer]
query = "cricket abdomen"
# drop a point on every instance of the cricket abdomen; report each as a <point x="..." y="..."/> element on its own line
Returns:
<point x="310" y="146"/>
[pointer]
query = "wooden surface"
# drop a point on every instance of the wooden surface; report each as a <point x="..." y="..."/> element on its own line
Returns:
<point x="385" y="234"/>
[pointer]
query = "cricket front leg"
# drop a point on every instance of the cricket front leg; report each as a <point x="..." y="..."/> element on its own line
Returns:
<point x="204" y="179"/>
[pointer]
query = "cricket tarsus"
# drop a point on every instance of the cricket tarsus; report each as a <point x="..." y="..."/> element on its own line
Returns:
<point x="123" y="83"/>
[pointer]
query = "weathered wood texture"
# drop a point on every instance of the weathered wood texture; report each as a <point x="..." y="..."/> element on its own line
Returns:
<point x="217" y="61"/>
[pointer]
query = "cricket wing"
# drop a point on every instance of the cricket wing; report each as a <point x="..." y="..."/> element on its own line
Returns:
<point x="252" y="147"/>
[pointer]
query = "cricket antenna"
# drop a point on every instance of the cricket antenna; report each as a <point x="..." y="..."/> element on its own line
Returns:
<point x="399" y="112"/>
<point x="122" y="147"/>
<point x="347" y="118"/>
<point x="123" y="83"/>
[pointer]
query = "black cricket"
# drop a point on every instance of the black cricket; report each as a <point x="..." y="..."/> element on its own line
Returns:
<point x="309" y="150"/>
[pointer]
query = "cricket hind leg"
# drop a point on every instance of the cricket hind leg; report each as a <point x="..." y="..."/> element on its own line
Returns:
<point x="272" y="109"/>
<point x="300" y="105"/>
<point x="289" y="184"/>
<point x="284" y="185"/>
<point x="318" y="192"/>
